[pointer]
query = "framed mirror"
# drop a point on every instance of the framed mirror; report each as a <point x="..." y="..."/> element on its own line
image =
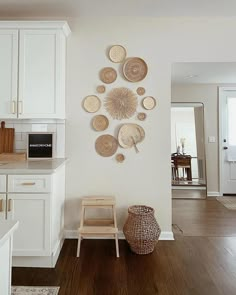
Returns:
<point x="188" y="159"/>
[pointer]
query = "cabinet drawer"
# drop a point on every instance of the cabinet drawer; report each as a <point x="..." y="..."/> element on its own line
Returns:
<point x="2" y="183"/>
<point x="29" y="183"/>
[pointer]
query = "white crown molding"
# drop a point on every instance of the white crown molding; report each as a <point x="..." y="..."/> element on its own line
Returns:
<point x="63" y="25"/>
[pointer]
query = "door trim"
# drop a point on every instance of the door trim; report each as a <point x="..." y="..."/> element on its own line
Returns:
<point x="221" y="91"/>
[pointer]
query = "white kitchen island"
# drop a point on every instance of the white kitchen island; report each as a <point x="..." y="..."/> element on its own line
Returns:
<point x="7" y="229"/>
<point x="33" y="192"/>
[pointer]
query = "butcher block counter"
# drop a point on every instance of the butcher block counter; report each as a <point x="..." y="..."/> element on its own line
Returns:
<point x="33" y="192"/>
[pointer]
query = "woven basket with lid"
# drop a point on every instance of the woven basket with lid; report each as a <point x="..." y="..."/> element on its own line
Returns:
<point x="141" y="229"/>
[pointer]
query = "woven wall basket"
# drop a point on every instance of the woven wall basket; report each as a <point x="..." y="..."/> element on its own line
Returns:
<point x="135" y="69"/>
<point x="108" y="75"/>
<point x="117" y="53"/>
<point x="106" y="145"/>
<point x="141" y="229"/>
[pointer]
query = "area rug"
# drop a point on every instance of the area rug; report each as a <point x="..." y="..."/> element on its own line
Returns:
<point x="228" y="202"/>
<point x="30" y="290"/>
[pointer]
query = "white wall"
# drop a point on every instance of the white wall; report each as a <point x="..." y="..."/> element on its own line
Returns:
<point x="139" y="180"/>
<point x="144" y="177"/>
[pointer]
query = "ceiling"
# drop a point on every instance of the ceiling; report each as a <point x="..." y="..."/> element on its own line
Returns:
<point x="153" y="8"/>
<point x="204" y="73"/>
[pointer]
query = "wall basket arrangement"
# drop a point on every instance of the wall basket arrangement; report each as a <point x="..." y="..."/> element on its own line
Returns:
<point x="120" y="103"/>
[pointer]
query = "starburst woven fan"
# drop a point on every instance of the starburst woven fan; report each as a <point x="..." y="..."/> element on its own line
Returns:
<point x="121" y="103"/>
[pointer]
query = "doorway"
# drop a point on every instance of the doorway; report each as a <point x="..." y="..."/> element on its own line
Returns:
<point x="227" y="140"/>
<point x="188" y="151"/>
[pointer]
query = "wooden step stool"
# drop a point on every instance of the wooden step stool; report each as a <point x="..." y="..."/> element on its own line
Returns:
<point x="98" y="226"/>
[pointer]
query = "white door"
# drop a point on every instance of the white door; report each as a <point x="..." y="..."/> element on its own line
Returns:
<point x="8" y="73"/>
<point x="2" y="206"/>
<point x="32" y="211"/>
<point x="227" y="145"/>
<point x="40" y="70"/>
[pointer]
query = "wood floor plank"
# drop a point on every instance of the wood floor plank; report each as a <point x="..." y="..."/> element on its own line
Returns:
<point x="201" y="260"/>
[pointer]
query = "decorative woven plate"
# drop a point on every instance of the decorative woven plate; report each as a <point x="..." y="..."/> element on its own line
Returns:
<point x="100" y="122"/>
<point x="108" y="75"/>
<point x="101" y="89"/>
<point x="121" y="103"/>
<point x="149" y="103"/>
<point x="120" y="158"/>
<point x="92" y="103"/>
<point x="141" y="116"/>
<point x="141" y="91"/>
<point x="135" y="69"/>
<point x="117" y="53"/>
<point x="106" y="145"/>
<point x="130" y="134"/>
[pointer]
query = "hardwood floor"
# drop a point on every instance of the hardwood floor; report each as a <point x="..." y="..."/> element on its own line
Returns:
<point x="204" y="218"/>
<point x="189" y="194"/>
<point x="200" y="264"/>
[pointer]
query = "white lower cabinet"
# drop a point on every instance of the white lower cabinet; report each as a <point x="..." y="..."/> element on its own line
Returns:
<point x="33" y="213"/>
<point x="37" y="202"/>
<point x="3" y="201"/>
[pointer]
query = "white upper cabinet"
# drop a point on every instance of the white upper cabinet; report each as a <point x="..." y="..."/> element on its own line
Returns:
<point x="8" y="73"/>
<point x="32" y="69"/>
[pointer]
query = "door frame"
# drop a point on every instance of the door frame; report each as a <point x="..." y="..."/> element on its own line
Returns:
<point x="221" y="92"/>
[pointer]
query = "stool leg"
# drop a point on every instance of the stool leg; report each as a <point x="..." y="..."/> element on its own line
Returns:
<point x="78" y="247"/>
<point x="117" y="246"/>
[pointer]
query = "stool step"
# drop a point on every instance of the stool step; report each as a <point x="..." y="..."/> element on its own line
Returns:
<point x="98" y="201"/>
<point x="103" y="230"/>
<point x="99" y="222"/>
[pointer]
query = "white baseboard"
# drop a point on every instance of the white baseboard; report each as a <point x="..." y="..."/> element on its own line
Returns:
<point x="73" y="234"/>
<point x="39" y="261"/>
<point x="191" y="187"/>
<point x="213" y="194"/>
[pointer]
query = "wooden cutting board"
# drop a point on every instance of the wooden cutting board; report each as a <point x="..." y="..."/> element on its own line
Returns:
<point x="6" y="139"/>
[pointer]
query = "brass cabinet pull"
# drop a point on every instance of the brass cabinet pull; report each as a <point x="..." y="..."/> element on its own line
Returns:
<point x="1" y="205"/>
<point x="28" y="183"/>
<point x="13" y="107"/>
<point x="20" y="107"/>
<point x="9" y="205"/>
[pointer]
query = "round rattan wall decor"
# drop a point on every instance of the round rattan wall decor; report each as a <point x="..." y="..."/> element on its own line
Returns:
<point x="141" y="116"/>
<point x="100" y="123"/>
<point x="135" y="69"/>
<point x="141" y="91"/>
<point x="117" y="53"/>
<point x="121" y="103"/>
<point x="91" y="103"/>
<point x="120" y="158"/>
<point x="106" y="145"/>
<point x="108" y="75"/>
<point x="130" y="134"/>
<point x="149" y="103"/>
<point x="101" y="88"/>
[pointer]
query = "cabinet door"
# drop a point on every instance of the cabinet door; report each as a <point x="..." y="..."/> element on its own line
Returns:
<point x="33" y="235"/>
<point x="2" y="206"/>
<point x="3" y="182"/>
<point x="8" y="73"/>
<point x="5" y="269"/>
<point x="41" y="74"/>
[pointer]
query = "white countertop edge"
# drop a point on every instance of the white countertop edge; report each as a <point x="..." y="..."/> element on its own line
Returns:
<point x="6" y="230"/>
<point x="33" y="166"/>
